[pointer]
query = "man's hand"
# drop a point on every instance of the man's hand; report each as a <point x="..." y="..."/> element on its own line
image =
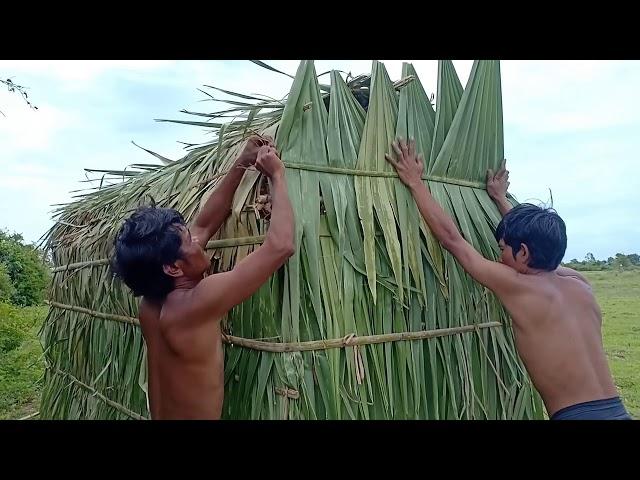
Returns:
<point x="249" y="153"/>
<point x="269" y="163"/>
<point x="408" y="165"/>
<point x="497" y="185"/>
<point x="495" y="276"/>
<point x="218" y="206"/>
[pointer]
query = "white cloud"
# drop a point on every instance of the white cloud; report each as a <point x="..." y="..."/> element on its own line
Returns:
<point x="569" y="96"/>
<point x="23" y="130"/>
<point x="77" y="71"/>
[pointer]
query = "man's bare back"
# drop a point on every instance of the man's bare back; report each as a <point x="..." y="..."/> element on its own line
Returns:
<point x="557" y="327"/>
<point x="186" y="365"/>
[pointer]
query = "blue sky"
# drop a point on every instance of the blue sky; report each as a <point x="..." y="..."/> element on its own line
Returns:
<point x="569" y="126"/>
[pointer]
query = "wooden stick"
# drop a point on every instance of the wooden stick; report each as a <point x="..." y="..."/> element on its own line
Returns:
<point x="100" y="396"/>
<point x="280" y="347"/>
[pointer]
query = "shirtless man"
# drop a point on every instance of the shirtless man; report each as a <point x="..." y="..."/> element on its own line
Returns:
<point x="162" y="259"/>
<point x="556" y="320"/>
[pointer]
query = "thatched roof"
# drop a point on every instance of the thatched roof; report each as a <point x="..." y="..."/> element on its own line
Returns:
<point x="370" y="318"/>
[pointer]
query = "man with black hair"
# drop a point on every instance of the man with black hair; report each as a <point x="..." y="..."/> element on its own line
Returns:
<point x="161" y="258"/>
<point x="556" y="319"/>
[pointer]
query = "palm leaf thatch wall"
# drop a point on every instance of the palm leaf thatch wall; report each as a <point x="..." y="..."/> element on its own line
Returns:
<point x="370" y="319"/>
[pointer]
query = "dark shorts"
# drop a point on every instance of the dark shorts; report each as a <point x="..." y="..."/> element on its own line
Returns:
<point x="605" y="409"/>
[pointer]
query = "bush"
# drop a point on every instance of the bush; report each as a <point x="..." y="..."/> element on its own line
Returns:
<point x="27" y="269"/>
<point x="21" y="363"/>
<point x="15" y="326"/>
<point x="6" y="286"/>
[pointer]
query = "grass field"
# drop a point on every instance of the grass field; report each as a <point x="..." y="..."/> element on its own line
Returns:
<point x="618" y="294"/>
<point x="21" y="365"/>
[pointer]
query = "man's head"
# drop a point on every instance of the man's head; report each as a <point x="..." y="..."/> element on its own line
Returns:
<point x="153" y="249"/>
<point x="531" y="237"/>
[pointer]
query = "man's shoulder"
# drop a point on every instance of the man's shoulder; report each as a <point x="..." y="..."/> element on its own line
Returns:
<point x="208" y="291"/>
<point x="180" y="309"/>
<point x="560" y="289"/>
<point x="534" y="288"/>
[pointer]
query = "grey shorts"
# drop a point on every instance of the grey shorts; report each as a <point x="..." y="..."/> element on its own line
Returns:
<point x="605" y="409"/>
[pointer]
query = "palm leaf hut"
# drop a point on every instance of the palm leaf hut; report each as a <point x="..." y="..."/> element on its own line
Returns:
<point x="370" y="319"/>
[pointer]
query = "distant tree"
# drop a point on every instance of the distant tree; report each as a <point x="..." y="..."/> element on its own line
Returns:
<point x="621" y="261"/>
<point x="634" y="258"/>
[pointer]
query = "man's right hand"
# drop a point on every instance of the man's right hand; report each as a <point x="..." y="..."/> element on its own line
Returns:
<point x="269" y="163"/>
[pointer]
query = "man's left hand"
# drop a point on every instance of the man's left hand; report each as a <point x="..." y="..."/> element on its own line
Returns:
<point x="249" y="153"/>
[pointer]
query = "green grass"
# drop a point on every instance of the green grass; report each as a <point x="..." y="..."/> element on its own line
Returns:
<point x="21" y="365"/>
<point x="618" y="294"/>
